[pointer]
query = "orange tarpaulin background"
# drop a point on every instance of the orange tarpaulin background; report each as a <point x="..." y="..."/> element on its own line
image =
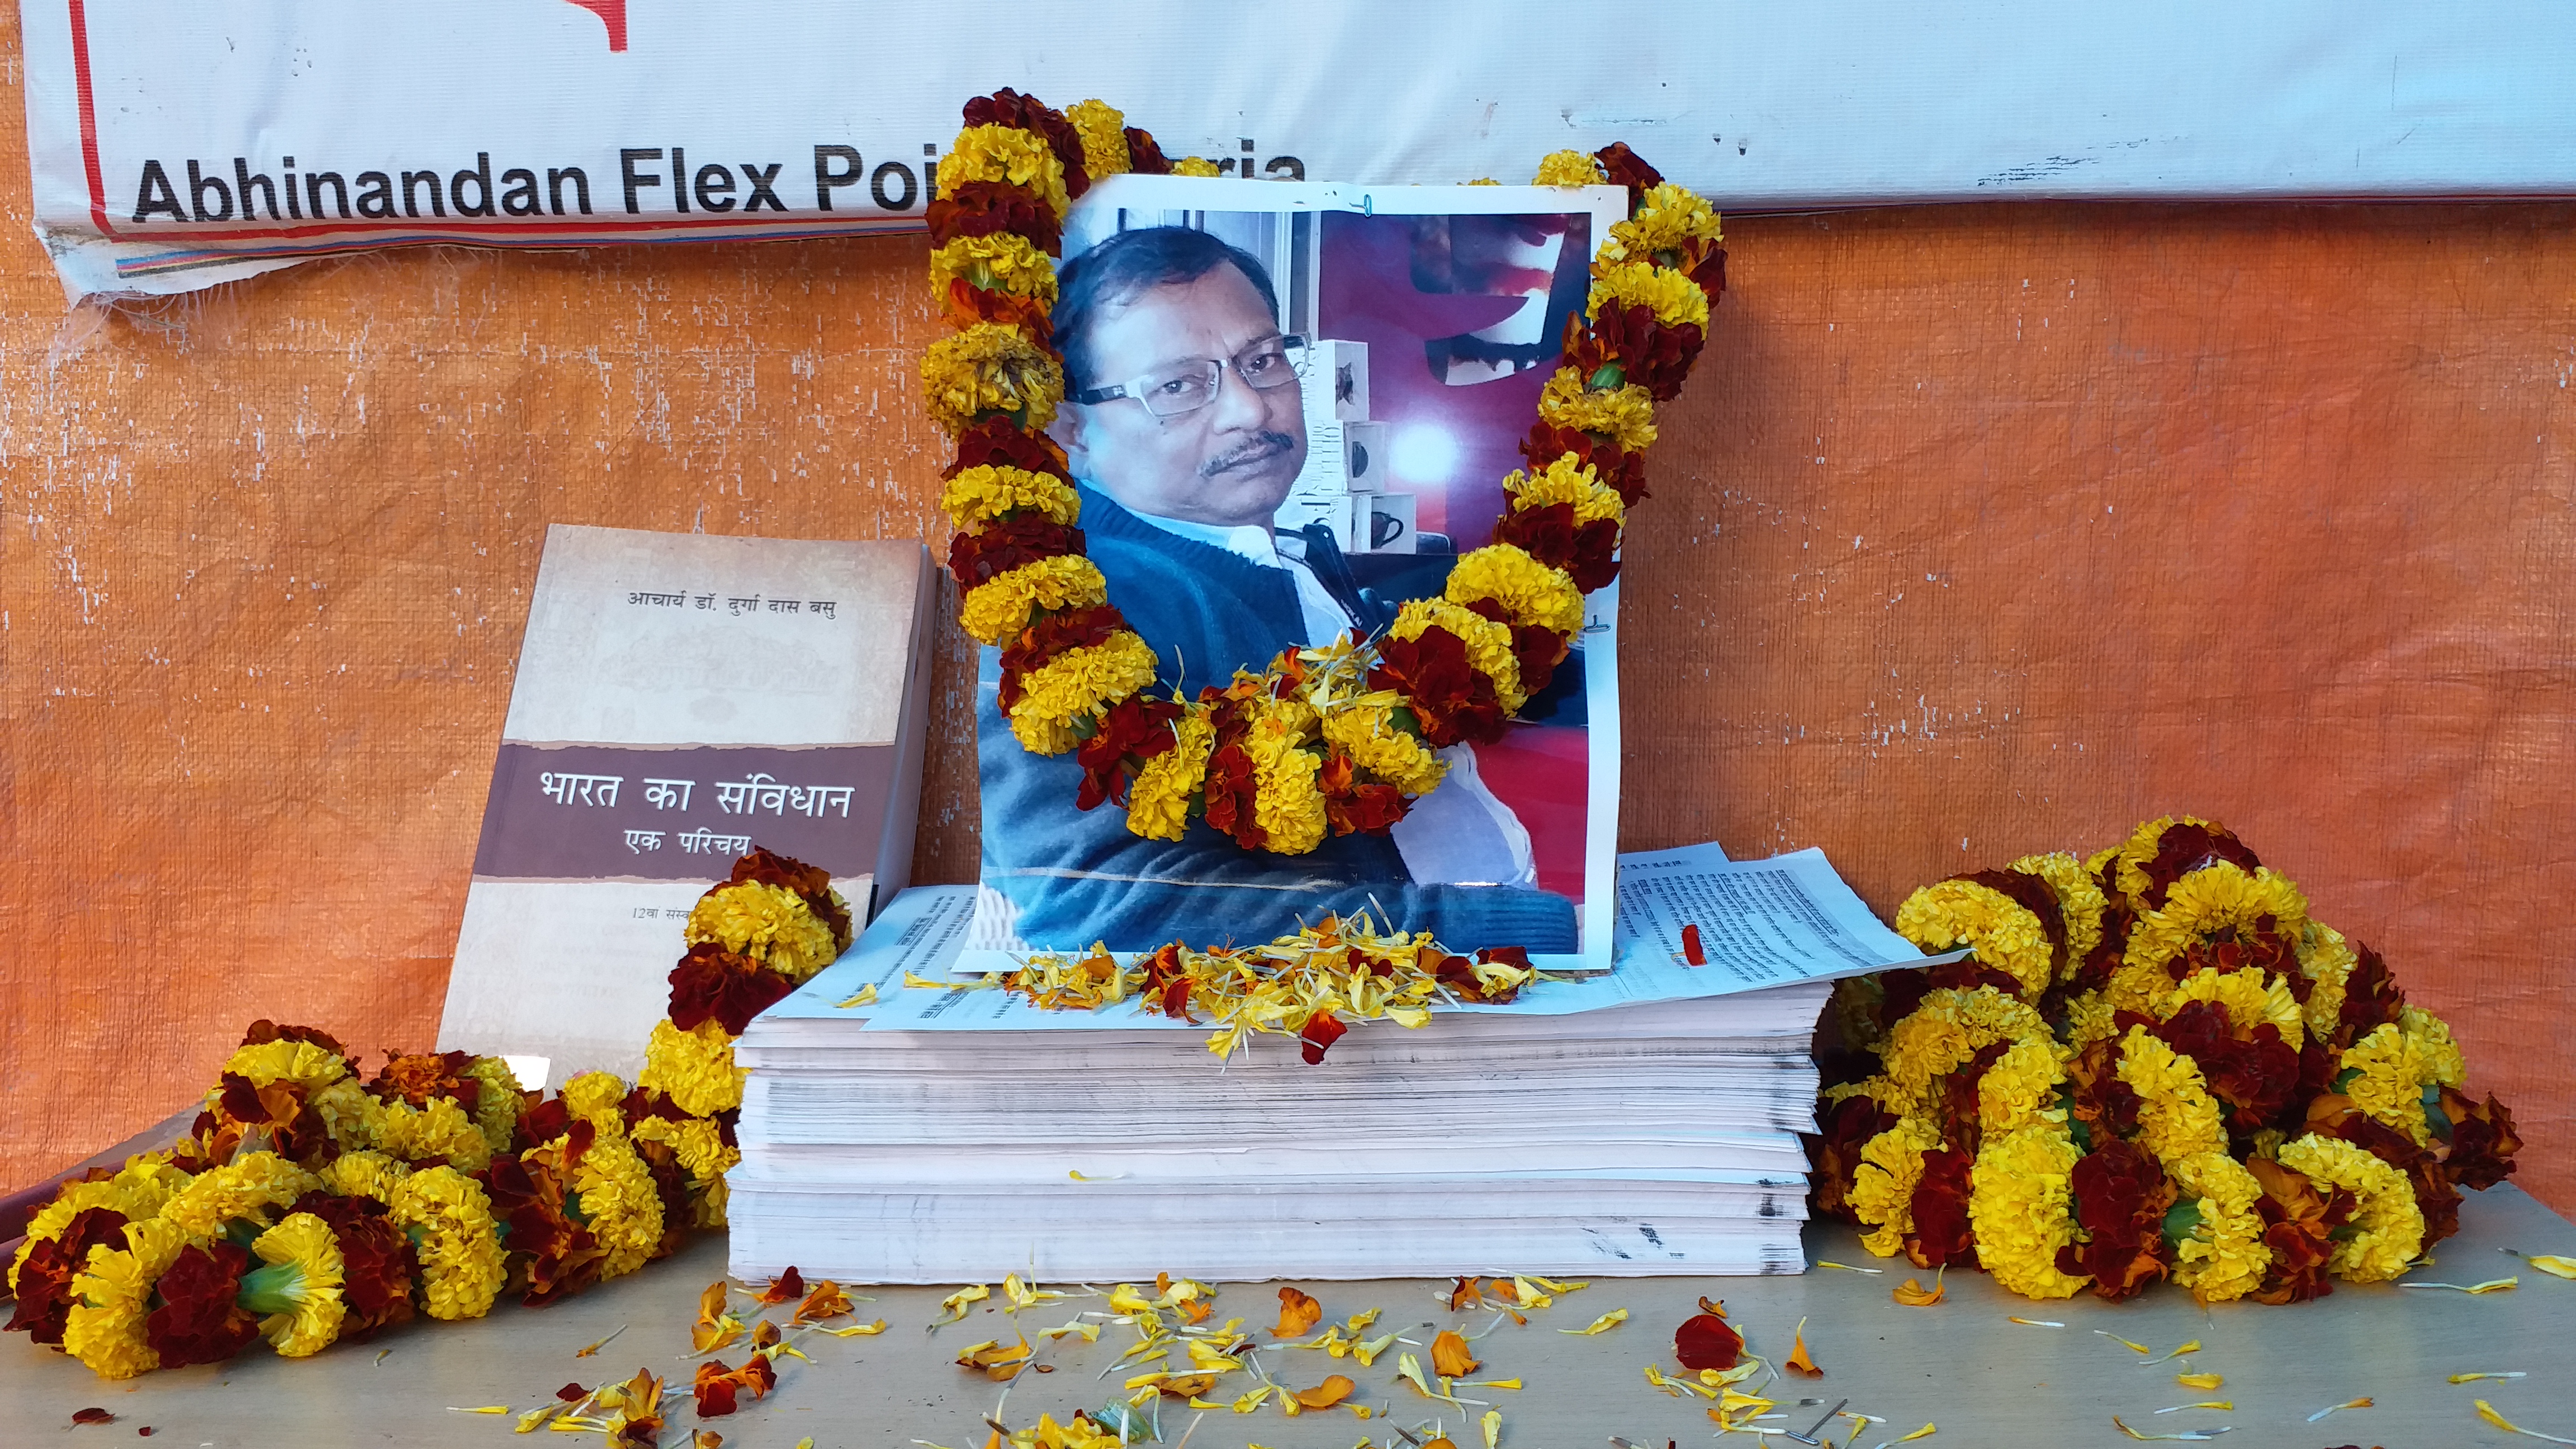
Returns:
<point x="1980" y="531"/>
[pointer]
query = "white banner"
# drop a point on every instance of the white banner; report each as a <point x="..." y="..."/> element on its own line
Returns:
<point x="175" y="143"/>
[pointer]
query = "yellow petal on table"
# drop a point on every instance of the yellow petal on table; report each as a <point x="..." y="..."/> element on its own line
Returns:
<point x="706" y="1439"/>
<point x="2492" y="1285"/>
<point x="480" y="1409"/>
<point x="2331" y="1408"/>
<point x="1926" y="1432"/>
<point x="867" y="996"/>
<point x="1603" y="1324"/>
<point x="2188" y="1435"/>
<point x="1253" y="1400"/>
<point x="1553" y="1286"/>
<point x="955" y="1303"/>
<point x="1719" y="1378"/>
<point x="2487" y="1412"/>
<point x="1848" y="1268"/>
<point x="2200" y="1381"/>
<point x="536" y="1418"/>
<point x="1913" y="1294"/>
<point x="1097" y="1176"/>
<point x="805" y="1443"/>
<point x="859" y="1330"/>
<point x="1494" y="1384"/>
<point x="2188" y="1345"/>
<point x="594" y="1348"/>
<point x="1492" y="1424"/>
<point x="2127" y="1342"/>
<point x="2203" y="1404"/>
<point x="2035" y="1322"/>
<point x="1655" y="1376"/>
<point x="2473" y="1378"/>
<point x="1367" y="1350"/>
<point x="2552" y="1263"/>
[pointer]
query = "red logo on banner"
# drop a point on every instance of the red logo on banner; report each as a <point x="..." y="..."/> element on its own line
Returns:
<point x="611" y="13"/>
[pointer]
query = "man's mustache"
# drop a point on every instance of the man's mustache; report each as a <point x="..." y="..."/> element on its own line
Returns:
<point x="1260" y="449"/>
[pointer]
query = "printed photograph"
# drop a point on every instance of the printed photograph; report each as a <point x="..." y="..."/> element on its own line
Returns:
<point x="1284" y="424"/>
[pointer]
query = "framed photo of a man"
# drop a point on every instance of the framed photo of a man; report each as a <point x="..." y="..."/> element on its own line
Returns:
<point x="1289" y="408"/>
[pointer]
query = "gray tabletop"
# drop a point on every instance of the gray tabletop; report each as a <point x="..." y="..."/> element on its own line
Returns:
<point x="1962" y="1364"/>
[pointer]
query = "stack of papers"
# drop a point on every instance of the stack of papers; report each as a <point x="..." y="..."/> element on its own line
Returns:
<point x="1639" y="1122"/>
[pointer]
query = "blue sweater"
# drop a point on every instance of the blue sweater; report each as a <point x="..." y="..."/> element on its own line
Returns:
<point x="1078" y="876"/>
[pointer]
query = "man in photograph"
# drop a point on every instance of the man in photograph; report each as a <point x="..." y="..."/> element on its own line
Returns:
<point x="1184" y="426"/>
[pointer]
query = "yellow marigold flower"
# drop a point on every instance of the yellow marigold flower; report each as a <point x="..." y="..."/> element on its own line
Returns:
<point x="2396" y="1064"/>
<point x="1366" y="731"/>
<point x="247" y="1189"/>
<point x="989" y="368"/>
<point x="1877" y="1089"/>
<point x="2004" y="933"/>
<point x="498" y="1107"/>
<point x="297" y="1294"/>
<point x="296" y="1063"/>
<point x="696" y="1142"/>
<point x="1949" y="1027"/>
<point x="354" y="1120"/>
<point x="2022" y="1208"/>
<point x="2326" y="959"/>
<point x="2217" y="897"/>
<point x="1669" y="219"/>
<point x="1286" y="802"/>
<point x="1489" y="645"/>
<point x="999" y="607"/>
<point x="1566" y="480"/>
<point x="2249" y="999"/>
<point x="594" y="1097"/>
<point x="1568" y="168"/>
<point x="112" y="1297"/>
<point x="2079" y="900"/>
<point x="1882" y="1192"/>
<point x="2177" y="1118"/>
<point x="1079" y="684"/>
<point x="619" y="1203"/>
<point x="765" y="923"/>
<point x="1625" y="414"/>
<point x="438" y="1132"/>
<point x="1676" y="299"/>
<point x="1195" y="166"/>
<point x="2090" y="1018"/>
<point x="2432" y="1038"/>
<point x="2391" y="1228"/>
<point x="2129" y="875"/>
<point x="1104" y="137"/>
<point x="1000" y="262"/>
<point x="985" y="492"/>
<point x="1533" y="593"/>
<point x="693" y="1068"/>
<point x="2020" y="1085"/>
<point x="1158" y="802"/>
<point x="1006" y="154"/>
<point x="364" y="1174"/>
<point x="2225" y="1258"/>
<point x="450" y="1216"/>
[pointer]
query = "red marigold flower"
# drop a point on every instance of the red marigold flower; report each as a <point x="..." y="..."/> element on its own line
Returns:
<point x="1628" y="169"/>
<point x="2371" y="998"/>
<point x="2483" y="1142"/>
<point x="1621" y="471"/>
<point x="984" y="208"/>
<point x="198" y="1321"/>
<point x="421" y="1078"/>
<point x="1538" y="650"/>
<point x="811" y="883"/>
<point x="1450" y="700"/>
<point x="1144" y="156"/>
<point x="2299" y="1225"/>
<point x="2098" y="1101"/>
<point x="1132" y="731"/>
<point x="1942" y="1235"/>
<point x="45" y="1278"/>
<point x="1645" y="351"/>
<point x="1835" y="1150"/>
<point x="1321" y="1031"/>
<point x="1588" y="552"/>
<point x="2120" y="1196"/>
<point x="1706" y="1341"/>
<point x="1354" y="806"/>
<point x="2184" y="848"/>
<point x="378" y="1261"/>
<point x="1053" y="634"/>
<point x="264" y="1031"/>
<point x="717" y="1386"/>
<point x="713" y="983"/>
<point x="1231" y="786"/>
<point x="529" y="1196"/>
<point x="1001" y="443"/>
<point x="971" y="303"/>
<point x="1023" y="538"/>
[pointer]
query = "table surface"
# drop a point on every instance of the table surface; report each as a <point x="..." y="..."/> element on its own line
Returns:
<point x="1960" y="1364"/>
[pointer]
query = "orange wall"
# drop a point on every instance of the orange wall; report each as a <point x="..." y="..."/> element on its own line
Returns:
<point x="1982" y="530"/>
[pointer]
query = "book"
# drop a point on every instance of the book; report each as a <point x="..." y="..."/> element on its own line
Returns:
<point x="679" y="699"/>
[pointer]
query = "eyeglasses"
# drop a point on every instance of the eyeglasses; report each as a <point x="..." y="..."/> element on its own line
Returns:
<point x="1187" y="387"/>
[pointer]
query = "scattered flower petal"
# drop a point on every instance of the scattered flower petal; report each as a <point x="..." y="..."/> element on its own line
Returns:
<point x="2188" y="1345"/>
<point x="1706" y="1341"/>
<point x="93" y="1416"/>
<point x="1603" y="1324"/>
<point x="594" y="1348"/>
<point x="1449" y="1356"/>
<point x="862" y="1330"/>
<point x="2552" y="1263"/>
<point x="2492" y="1285"/>
<point x="1492" y="1424"/>
<point x="1848" y="1268"/>
<point x="480" y="1409"/>
<point x="1799" y="1362"/>
<point x="1913" y="1294"/>
<point x="2331" y="1408"/>
<point x="867" y="996"/>
<point x="2194" y="1435"/>
<point x="1328" y="1393"/>
<point x="1927" y="1431"/>
<point x="2473" y="1378"/>
<point x="2487" y="1412"/>
<point x="955" y="1303"/>
<point x="2128" y="1342"/>
<point x="2200" y="1381"/>
<point x="2210" y="1404"/>
<point x="1298" y="1314"/>
<point x="2035" y="1322"/>
<point x="827" y="1300"/>
<point x="787" y="1287"/>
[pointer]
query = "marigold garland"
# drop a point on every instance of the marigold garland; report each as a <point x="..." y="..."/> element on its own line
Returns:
<point x="2160" y="1066"/>
<point x="1074" y="678"/>
<point x="308" y="1206"/>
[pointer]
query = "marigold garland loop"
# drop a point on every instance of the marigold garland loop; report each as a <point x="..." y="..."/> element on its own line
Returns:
<point x="1357" y="750"/>
<point x="2152" y="1064"/>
